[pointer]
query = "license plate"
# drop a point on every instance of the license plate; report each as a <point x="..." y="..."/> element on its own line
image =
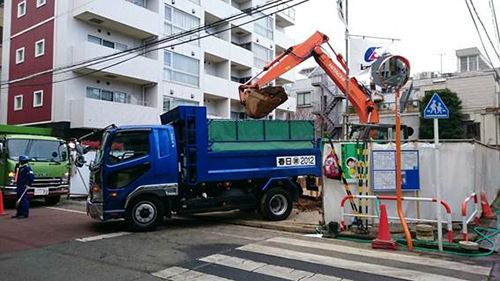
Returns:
<point x="290" y="161"/>
<point x="41" y="191"/>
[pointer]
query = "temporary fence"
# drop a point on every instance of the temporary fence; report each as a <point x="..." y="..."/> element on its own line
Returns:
<point x="394" y="198"/>
<point x="474" y="215"/>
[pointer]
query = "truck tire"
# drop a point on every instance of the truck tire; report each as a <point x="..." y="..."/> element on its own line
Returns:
<point x="144" y="213"/>
<point x="276" y="204"/>
<point x="50" y="201"/>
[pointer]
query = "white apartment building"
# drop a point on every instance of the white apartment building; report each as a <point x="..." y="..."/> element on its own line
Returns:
<point x="44" y="34"/>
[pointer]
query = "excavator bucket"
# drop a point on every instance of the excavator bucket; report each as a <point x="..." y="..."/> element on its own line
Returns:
<point x="260" y="102"/>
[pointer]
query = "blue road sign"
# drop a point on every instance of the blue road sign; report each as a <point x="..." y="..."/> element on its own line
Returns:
<point x="436" y="108"/>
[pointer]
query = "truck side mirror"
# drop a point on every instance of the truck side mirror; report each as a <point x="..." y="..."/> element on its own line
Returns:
<point x="2" y="148"/>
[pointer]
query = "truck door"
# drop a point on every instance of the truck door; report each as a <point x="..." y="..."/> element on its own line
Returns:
<point x="127" y="166"/>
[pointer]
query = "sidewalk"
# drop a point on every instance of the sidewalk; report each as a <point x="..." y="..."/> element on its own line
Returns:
<point x="299" y="221"/>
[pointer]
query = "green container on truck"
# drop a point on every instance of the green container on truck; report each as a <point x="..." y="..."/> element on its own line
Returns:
<point x="49" y="159"/>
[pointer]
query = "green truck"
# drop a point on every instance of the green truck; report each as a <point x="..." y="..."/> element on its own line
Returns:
<point x="49" y="160"/>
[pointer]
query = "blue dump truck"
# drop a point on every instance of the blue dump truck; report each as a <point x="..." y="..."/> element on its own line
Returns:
<point x="191" y="164"/>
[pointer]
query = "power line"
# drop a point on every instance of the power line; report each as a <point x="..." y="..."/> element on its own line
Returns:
<point x="484" y="28"/>
<point x="481" y="40"/>
<point x="495" y="22"/>
<point x="163" y="47"/>
<point x="142" y="48"/>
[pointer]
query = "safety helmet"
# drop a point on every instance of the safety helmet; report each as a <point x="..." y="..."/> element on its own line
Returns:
<point x="23" y="158"/>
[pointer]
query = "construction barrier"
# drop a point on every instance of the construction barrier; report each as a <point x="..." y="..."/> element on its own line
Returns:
<point x="394" y="198"/>
<point x="474" y="215"/>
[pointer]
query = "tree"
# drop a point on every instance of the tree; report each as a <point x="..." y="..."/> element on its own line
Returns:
<point x="451" y="128"/>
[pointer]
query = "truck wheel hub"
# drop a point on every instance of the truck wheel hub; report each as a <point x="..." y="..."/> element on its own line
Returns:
<point x="144" y="213"/>
<point x="278" y="204"/>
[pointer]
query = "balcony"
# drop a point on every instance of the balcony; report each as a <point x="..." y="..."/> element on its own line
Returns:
<point x="216" y="86"/>
<point x="119" y="15"/>
<point x="139" y="70"/>
<point x="286" y="17"/>
<point x="282" y="40"/>
<point x="91" y="113"/>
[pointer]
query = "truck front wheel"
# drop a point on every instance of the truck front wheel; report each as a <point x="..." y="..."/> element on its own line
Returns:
<point x="50" y="201"/>
<point x="144" y="213"/>
<point x="276" y="204"/>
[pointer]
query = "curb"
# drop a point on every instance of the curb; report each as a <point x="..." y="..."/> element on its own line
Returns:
<point x="287" y="228"/>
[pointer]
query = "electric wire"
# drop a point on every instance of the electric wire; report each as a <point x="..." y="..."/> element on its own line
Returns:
<point x="154" y="49"/>
<point x="497" y="76"/>
<point x="143" y="48"/>
<point x="484" y="28"/>
<point x="495" y="21"/>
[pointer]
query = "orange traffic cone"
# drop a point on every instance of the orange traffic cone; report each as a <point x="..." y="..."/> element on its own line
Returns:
<point x="485" y="206"/>
<point x="2" y="210"/>
<point x="384" y="240"/>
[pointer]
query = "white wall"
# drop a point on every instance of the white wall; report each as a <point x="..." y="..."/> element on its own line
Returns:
<point x="465" y="168"/>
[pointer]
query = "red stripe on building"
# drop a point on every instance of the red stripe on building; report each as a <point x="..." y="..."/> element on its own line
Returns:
<point x="32" y="64"/>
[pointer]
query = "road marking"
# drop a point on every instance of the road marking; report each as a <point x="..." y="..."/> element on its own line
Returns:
<point x="67" y="210"/>
<point x="476" y="269"/>
<point x="182" y="274"/>
<point x="234" y="236"/>
<point x="266" y="269"/>
<point x="347" y="264"/>
<point x="103" y="236"/>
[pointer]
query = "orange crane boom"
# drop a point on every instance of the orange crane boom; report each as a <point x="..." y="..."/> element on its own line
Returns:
<point x="261" y="101"/>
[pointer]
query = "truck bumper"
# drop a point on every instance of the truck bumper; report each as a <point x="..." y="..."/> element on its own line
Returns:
<point x="95" y="210"/>
<point x="10" y="192"/>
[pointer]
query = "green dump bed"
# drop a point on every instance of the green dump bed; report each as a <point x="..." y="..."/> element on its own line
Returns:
<point x="233" y="135"/>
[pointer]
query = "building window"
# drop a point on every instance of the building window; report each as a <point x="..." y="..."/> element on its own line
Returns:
<point x="469" y="63"/>
<point x="262" y="55"/>
<point x="303" y="98"/>
<point x="264" y="26"/>
<point x="40" y="3"/>
<point x="141" y="3"/>
<point x="170" y="103"/>
<point x="182" y="69"/>
<point x="37" y="98"/>
<point x="21" y="9"/>
<point x="238" y="115"/>
<point x="18" y="102"/>
<point x="40" y="48"/>
<point x="106" y="43"/>
<point x="106" y="95"/>
<point x="20" y="55"/>
<point x="177" y="21"/>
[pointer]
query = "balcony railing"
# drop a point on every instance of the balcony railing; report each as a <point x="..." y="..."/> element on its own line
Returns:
<point x="287" y="10"/>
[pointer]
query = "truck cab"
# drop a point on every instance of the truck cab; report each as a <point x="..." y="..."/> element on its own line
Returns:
<point x="48" y="159"/>
<point x="193" y="165"/>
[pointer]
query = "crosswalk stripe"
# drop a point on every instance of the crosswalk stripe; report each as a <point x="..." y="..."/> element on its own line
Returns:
<point x="476" y="269"/>
<point x="267" y="269"/>
<point x="347" y="264"/>
<point x="176" y="273"/>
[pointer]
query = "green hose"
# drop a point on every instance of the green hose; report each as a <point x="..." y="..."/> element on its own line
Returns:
<point x="490" y="233"/>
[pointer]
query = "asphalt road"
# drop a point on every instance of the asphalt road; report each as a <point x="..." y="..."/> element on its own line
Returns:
<point x="62" y="243"/>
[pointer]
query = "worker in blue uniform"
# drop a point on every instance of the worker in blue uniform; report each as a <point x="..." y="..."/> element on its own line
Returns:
<point x="25" y="177"/>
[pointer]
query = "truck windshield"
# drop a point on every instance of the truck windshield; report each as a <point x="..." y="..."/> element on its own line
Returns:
<point x="37" y="150"/>
<point x="99" y="154"/>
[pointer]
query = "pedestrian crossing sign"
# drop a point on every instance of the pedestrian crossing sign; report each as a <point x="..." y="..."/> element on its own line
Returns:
<point x="436" y="108"/>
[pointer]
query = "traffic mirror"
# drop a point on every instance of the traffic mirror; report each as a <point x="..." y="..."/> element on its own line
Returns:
<point x="391" y="71"/>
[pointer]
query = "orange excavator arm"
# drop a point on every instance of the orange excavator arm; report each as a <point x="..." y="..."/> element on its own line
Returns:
<point x="254" y="98"/>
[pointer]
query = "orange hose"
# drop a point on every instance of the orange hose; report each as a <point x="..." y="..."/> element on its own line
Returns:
<point x="399" y="192"/>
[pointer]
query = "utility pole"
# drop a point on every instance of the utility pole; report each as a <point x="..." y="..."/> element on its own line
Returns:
<point x="346" y="114"/>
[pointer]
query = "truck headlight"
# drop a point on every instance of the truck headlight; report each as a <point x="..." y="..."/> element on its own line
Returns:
<point x="65" y="178"/>
<point x="11" y="178"/>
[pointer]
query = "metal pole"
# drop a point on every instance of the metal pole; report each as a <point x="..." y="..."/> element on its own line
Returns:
<point x="437" y="159"/>
<point x="346" y="119"/>
<point x="399" y="192"/>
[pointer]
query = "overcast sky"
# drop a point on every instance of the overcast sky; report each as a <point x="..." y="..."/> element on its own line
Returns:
<point x="426" y="27"/>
